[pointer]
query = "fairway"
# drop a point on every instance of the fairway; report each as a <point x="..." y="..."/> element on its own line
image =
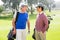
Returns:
<point x="52" y="34"/>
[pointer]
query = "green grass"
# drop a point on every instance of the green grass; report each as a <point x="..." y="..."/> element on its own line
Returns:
<point x="52" y="34"/>
<point x="8" y="17"/>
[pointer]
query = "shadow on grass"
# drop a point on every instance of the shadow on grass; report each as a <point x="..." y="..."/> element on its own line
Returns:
<point x="32" y="16"/>
<point x="9" y="17"/>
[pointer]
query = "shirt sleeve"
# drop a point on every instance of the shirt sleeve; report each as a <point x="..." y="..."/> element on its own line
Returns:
<point x="27" y="17"/>
<point x="45" y="19"/>
<point x="15" y="14"/>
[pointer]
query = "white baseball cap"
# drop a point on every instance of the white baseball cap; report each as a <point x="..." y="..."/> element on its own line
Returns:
<point x="22" y="5"/>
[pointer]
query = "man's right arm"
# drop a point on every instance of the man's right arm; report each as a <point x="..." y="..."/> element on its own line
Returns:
<point x="14" y="19"/>
<point x="13" y="23"/>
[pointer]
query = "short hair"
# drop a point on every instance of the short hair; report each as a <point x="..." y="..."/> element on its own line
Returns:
<point x="41" y="7"/>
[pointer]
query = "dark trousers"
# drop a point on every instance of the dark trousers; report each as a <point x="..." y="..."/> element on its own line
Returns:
<point x="10" y="39"/>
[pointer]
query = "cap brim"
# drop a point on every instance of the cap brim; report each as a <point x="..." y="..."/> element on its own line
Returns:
<point x="39" y="6"/>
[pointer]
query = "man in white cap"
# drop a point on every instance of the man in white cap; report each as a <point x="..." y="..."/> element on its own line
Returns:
<point x="20" y="26"/>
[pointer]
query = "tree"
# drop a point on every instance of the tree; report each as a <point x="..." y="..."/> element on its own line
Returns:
<point x="14" y="5"/>
<point x="30" y="2"/>
<point x="4" y="1"/>
<point x="1" y="9"/>
<point x="47" y="3"/>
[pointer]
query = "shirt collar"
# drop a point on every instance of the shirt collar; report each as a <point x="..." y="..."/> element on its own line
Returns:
<point x="41" y="12"/>
<point x="22" y="12"/>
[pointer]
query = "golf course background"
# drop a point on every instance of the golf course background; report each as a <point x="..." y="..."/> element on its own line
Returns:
<point x="52" y="34"/>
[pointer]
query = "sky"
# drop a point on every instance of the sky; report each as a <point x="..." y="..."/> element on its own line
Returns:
<point x="2" y="2"/>
<point x="56" y="0"/>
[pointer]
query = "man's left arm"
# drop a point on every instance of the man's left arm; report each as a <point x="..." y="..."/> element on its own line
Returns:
<point x="45" y="22"/>
<point x="28" y="23"/>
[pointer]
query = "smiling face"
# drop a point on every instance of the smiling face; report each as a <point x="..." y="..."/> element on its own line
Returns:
<point x="24" y="8"/>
